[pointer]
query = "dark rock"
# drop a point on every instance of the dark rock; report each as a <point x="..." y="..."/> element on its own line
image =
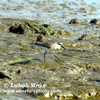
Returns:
<point x="2" y="75"/>
<point x="15" y="29"/>
<point x="75" y="21"/>
<point x="27" y="27"/>
<point x="84" y="37"/>
<point x="95" y="21"/>
<point x="19" y="71"/>
<point x="41" y="38"/>
<point x="89" y="36"/>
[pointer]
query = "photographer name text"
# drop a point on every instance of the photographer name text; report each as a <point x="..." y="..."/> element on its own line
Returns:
<point x="19" y="85"/>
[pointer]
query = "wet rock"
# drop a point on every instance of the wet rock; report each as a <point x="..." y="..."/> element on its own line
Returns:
<point x="4" y="74"/>
<point x="84" y="37"/>
<point x="41" y="38"/>
<point x="72" y="45"/>
<point x="76" y="21"/>
<point x="61" y="32"/>
<point x="95" y="21"/>
<point x="68" y="33"/>
<point x="15" y="29"/>
<point x="19" y="71"/>
<point x="88" y="36"/>
<point x="27" y="28"/>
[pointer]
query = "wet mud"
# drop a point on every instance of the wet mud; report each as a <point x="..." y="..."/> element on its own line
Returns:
<point x="72" y="74"/>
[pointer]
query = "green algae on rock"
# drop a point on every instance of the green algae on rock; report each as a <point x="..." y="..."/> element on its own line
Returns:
<point x="27" y="27"/>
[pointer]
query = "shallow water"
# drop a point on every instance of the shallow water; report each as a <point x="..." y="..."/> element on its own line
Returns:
<point x="56" y="13"/>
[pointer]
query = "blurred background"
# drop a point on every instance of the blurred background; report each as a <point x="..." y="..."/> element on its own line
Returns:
<point x="52" y="12"/>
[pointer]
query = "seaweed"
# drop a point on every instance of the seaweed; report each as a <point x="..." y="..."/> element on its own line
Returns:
<point x="44" y="29"/>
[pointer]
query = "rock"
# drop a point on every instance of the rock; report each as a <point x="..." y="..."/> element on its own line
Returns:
<point x="88" y="36"/>
<point x="76" y="21"/>
<point x="27" y="27"/>
<point x="68" y="33"/>
<point x="19" y="71"/>
<point x="5" y="74"/>
<point x="84" y="37"/>
<point x="13" y="29"/>
<point x="72" y="45"/>
<point x="95" y="21"/>
<point x="61" y="32"/>
<point x="41" y="38"/>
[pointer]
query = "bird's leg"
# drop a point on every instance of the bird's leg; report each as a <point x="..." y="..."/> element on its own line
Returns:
<point x="57" y="57"/>
<point x="45" y="55"/>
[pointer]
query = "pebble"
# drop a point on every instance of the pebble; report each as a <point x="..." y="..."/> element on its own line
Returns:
<point x="19" y="71"/>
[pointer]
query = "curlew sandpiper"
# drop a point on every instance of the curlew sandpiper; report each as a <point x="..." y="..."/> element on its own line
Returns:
<point x="51" y="45"/>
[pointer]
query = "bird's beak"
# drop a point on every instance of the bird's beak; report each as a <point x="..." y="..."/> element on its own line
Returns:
<point x="63" y="47"/>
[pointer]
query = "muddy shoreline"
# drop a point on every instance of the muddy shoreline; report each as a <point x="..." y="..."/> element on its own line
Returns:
<point x="75" y="76"/>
